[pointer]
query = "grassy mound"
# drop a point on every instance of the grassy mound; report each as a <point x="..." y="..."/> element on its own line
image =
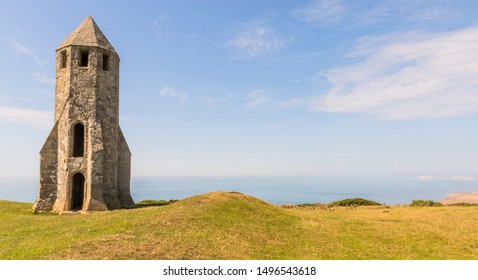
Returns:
<point x="224" y="225"/>
<point x="219" y="225"/>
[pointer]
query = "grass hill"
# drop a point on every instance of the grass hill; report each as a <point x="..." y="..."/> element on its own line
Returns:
<point x="225" y="225"/>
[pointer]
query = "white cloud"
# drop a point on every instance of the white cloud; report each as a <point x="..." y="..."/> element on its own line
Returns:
<point x="448" y="178"/>
<point x="406" y="76"/>
<point x="255" y="38"/>
<point x="34" y="118"/>
<point x="20" y="48"/>
<point x="43" y="78"/>
<point x="256" y="98"/>
<point x="169" y="92"/>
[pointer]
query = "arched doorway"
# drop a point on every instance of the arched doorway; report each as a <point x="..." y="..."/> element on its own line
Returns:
<point x="78" y="192"/>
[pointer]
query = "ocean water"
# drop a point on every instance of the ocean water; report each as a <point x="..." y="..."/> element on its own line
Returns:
<point x="276" y="190"/>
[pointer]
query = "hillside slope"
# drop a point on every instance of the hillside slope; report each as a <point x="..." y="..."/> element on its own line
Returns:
<point x="216" y="225"/>
<point x="225" y="225"/>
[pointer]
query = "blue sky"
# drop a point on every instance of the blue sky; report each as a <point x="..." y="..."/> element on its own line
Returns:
<point x="232" y="88"/>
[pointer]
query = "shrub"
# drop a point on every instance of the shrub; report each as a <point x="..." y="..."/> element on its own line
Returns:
<point x="425" y="203"/>
<point x="150" y="202"/>
<point x="309" y="205"/>
<point x="463" y="204"/>
<point x="354" y="201"/>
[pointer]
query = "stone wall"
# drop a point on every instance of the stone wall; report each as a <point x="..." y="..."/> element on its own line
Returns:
<point x="48" y="173"/>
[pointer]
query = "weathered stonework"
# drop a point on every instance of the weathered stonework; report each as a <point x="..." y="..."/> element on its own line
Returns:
<point x="85" y="161"/>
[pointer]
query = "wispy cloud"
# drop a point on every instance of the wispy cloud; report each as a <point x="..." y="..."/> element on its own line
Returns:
<point x="255" y="38"/>
<point x="360" y="13"/>
<point x="22" y="49"/>
<point x="171" y="94"/>
<point x="448" y="178"/>
<point x="158" y="23"/>
<point x="42" y="91"/>
<point x="406" y="76"/>
<point x="218" y="102"/>
<point x="293" y="123"/>
<point x="322" y="11"/>
<point x="34" y="118"/>
<point x="294" y="102"/>
<point x="256" y="98"/>
<point x="43" y="78"/>
<point x="11" y="97"/>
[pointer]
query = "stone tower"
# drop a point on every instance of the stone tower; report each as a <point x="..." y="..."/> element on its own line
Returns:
<point x="85" y="161"/>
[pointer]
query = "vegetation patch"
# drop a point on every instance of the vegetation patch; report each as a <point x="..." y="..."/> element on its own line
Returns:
<point x="306" y="205"/>
<point x="354" y="202"/>
<point x="464" y="204"/>
<point x="150" y="202"/>
<point x="425" y="203"/>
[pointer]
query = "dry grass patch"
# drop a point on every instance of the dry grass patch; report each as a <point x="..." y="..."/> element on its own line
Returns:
<point x="397" y="233"/>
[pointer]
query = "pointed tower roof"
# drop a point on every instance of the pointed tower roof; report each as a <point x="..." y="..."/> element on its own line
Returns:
<point x="87" y="34"/>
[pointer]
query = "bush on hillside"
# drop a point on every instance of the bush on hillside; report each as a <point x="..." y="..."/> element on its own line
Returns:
<point x="425" y="203"/>
<point x="354" y="201"/>
<point x="309" y="205"/>
<point x="305" y="205"/>
<point x="151" y="202"/>
<point x="463" y="204"/>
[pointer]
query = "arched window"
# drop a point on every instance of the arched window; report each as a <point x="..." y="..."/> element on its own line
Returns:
<point x="78" y="140"/>
<point x="78" y="191"/>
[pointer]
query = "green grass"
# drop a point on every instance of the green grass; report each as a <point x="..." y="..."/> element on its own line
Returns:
<point x="236" y="226"/>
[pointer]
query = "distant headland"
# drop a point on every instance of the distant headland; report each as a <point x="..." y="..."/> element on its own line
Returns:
<point x="461" y="197"/>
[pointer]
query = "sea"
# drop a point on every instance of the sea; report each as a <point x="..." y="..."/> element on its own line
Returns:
<point x="273" y="189"/>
